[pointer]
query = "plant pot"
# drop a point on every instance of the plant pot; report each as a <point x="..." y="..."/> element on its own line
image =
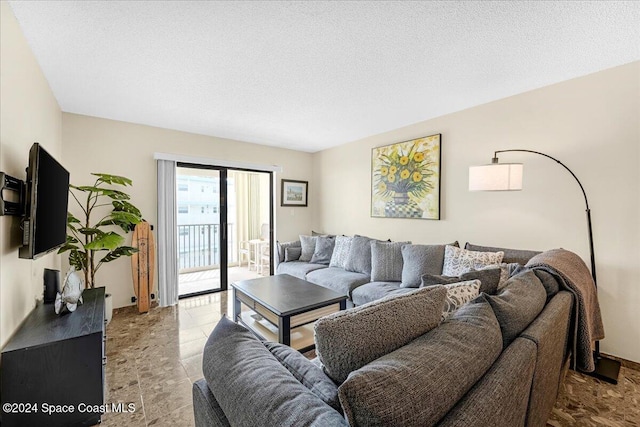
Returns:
<point x="108" y="307"/>
<point x="401" y="198"/>
<point x="402" y="207"/>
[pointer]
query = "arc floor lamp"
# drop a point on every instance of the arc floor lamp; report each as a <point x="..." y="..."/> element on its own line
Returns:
<point x="508" y="177"/>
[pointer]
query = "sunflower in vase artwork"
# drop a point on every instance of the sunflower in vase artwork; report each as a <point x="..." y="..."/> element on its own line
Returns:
<point x="404" y="174"/>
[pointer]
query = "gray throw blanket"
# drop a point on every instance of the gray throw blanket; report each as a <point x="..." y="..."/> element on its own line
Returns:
<point x="572" y="274"/>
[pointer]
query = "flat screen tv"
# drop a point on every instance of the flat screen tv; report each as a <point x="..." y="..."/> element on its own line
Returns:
<point x="44" y="227"/>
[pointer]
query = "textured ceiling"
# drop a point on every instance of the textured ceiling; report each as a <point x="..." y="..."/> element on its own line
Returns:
<point x="311" y="75"/>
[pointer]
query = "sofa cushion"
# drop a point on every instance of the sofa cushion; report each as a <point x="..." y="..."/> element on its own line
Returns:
<point x="519" y="256"/>
<point x="309" y="374"/>
<point x="359" y="259"/>
<point x="348" y="340"/>
<point x="341" y="251"/>
<point x="418" y="260"/>
<point x="386" y="261"/>
<point x="458" y="261"/>
<point x="376" y="290"/>
<point x="489" y="279"/>
<point x="324" y="250"/>
<point x="298" y="269"/>
<point x="308" y="244"/>
<point x="459" y="294"/>
<point x="519" y="302"/>
<point x="337" y="279"/>
<point x="292" y="254"/>
<point x="417" y="384"/>
<point x="235" y="361"/>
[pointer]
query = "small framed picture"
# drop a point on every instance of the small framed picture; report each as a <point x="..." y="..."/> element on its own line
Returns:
<point x="294" y="193"/>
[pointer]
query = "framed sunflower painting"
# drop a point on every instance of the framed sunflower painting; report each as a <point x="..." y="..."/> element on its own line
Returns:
<point x="405" y="179"/>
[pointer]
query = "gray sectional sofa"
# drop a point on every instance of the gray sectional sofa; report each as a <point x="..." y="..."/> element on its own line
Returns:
<point x="357" y="275"/>
<point x="391" y="360"/>
<point x="497" y="361"/>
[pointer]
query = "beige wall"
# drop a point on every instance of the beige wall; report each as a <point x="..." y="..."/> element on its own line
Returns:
<point x="590" y="123"/>
<point x="28" y="113"/>
<point x="97" y="145"/>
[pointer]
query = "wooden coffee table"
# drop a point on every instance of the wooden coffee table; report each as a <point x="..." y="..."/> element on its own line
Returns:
<point x="283" y="308"/>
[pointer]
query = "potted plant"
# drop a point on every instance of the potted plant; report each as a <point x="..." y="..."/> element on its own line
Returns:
<point x="91" y="243"/>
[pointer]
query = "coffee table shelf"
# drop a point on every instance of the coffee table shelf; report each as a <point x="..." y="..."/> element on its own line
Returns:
<point x="301" y="337"/>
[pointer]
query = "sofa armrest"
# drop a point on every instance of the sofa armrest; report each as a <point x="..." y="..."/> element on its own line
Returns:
<point x="280" y="248"/>
<point x="501" y="396"/>
<point x="206" y="410"/>
<point x="550" y="333"/>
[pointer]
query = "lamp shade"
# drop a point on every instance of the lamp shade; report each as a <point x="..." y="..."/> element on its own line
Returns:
<point x="496" y="177"/>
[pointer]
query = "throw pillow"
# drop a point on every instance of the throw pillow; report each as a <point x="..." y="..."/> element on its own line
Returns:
<point x="505" y="272"/>
<point x="292" y="254"/>
<point x="420" y="259"/>
<point x="308" y="244"/>
<point x="459" y="294"/>
<point x="386" y="261"/>
<point x="359" y="259"/>
<point x="489" y="279"/>
<point x="341" y="251"/>
<point x="521" y="300"/>
<point x="310" y="375"/>
<point x="348" y="340"/>
<point x="458" y="261"/>
<point x="324" y="250"/>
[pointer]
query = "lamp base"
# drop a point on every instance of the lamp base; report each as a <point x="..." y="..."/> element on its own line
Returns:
<point x="606" y="369"/>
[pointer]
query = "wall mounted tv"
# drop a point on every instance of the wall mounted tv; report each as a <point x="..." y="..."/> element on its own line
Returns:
<point x="44" y="226"/>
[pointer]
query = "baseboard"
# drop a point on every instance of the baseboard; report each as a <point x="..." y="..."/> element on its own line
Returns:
<point x="624" y="362"/>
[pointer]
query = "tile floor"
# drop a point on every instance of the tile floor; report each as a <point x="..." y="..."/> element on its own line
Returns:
<point x="205" y="280"/>
<point x="152" y="360"/>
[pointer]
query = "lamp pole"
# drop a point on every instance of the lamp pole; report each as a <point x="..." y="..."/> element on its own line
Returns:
<point x="606" y="369"/>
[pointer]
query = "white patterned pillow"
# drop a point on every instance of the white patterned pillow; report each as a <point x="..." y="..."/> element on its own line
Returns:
<point x="340" y="251"/>
<point x="459" y="294"/>
<point x="458" y="261"/>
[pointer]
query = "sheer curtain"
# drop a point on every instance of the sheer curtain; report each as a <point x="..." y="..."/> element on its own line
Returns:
<point x="167" y="234"/>
<point x="248" y="205"/>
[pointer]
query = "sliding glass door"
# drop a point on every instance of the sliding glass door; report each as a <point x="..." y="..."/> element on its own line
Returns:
<point x="225" y="228"/>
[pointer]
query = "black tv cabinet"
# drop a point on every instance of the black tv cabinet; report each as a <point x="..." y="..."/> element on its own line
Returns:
<point x="56" y="360"/>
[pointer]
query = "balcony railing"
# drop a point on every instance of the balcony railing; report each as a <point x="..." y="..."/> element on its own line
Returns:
<point x="199" y="246"/>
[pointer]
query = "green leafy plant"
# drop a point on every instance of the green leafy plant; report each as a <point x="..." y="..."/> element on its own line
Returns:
<point x="87" y="240"/>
